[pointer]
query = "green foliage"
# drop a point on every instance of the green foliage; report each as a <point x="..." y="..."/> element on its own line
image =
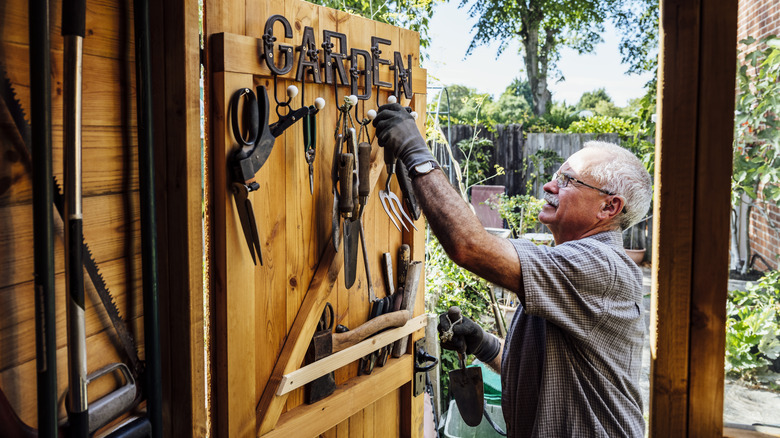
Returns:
<point x="466" y="105"/>
<point x="476" y="164"/>
<point x="637" y="21"/>
<point x="543" y="28"/>
<point x="520" y="212"/>
<point x="446" y="285"/>
<point x="590" y="99"/>
<point x="602" y="124"/>
<point x="509" y="108"/>
<point x="757" y="124"/>
<point x="558" y="118"/>
<point x="545" y="163"/>
<point x="753" y="327"/>
<point x="409" y="14"/>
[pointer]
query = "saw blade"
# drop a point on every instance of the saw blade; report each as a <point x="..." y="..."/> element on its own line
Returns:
<point x="123" y="333"/>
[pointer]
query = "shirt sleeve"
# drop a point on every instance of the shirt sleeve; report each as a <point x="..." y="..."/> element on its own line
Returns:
<point x="566" y="284"/>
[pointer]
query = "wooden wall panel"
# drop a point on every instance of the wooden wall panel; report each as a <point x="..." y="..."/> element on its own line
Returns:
<point x="110" y="187"/>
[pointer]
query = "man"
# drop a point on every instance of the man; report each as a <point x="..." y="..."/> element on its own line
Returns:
<point x="571" y="361"/>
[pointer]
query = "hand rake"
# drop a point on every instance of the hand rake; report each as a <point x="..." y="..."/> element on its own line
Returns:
<point x="390" y="200"/>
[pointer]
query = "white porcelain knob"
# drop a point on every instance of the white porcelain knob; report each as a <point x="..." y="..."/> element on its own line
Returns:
<point x="414" y="115"/>
<point x="392" y="99"/>
<point x="319" y="103"/>
<point x="371" y="114"/>
<point x="292" y="91"/>
<point x="352" y="99"/>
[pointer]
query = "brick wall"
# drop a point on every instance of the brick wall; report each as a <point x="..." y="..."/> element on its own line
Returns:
<point x="764" y="240"/>
<point x="760" y="18"/>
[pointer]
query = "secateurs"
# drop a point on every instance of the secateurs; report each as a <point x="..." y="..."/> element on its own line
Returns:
<point x="255" y="147"/>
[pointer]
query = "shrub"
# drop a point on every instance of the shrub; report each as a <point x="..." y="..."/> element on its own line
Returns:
<point x="520" y="212"/>
<point x="753" y="327"/>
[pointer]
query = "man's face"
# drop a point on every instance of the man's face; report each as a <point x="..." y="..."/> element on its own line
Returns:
<point x="572" y="212"/>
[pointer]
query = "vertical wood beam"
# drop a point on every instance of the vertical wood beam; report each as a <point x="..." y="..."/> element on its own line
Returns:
<point x="179" y="174"/>
<point x="693" y="159"/>
<point x="717" y="61"/>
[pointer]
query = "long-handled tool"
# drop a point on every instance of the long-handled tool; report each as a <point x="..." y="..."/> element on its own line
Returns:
<point x="43" y="220"/>
<point x="73" y="17"/>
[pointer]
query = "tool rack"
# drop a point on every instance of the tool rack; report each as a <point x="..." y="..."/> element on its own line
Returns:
<point x="266" y="315"/>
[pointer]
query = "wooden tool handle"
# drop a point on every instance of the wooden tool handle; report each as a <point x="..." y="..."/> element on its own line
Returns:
<point x="407" y="304"/>
<point x="345" y="340"/>
<point x="404" y="256"/>
<point x="346" y="163"/>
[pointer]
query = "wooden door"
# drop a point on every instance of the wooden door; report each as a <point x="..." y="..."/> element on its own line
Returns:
<point x="266" y="315"/>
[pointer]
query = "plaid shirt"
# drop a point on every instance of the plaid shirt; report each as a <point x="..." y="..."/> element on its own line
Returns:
<point x="573" y="355"/>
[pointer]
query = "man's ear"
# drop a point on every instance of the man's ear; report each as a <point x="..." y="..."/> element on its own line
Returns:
<point x="612" y="207"/>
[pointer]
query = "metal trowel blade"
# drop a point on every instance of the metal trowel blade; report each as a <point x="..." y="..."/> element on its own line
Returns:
<point x="466" y="387"/>
<point x="351" y="240"/>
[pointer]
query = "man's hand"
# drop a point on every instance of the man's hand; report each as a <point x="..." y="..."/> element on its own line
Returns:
<point x="397" y="131"/>
<point x="467" y="336"/>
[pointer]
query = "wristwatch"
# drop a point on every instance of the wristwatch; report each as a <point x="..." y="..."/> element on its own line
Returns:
<point x="423" y="168"/>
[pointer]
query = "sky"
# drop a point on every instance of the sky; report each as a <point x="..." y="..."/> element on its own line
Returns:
<point x="450" y="32"/>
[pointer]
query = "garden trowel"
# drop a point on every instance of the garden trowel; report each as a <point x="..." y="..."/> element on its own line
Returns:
<point x="466" y="383"/>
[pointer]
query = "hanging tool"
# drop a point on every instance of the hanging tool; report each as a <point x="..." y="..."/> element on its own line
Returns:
<point x="73" y="18"/>
<point x="351" y="222"/>
<point x="346" y="197"/>
<point x="388" y="199"/>
<point x="465" y="383"/>
<point x="364" y="190"/>
<point x="310" y="145"/>
<point x="310" y="131"/>
<point x="254" y="149"/>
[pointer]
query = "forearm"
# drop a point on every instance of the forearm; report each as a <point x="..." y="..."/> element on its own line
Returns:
<point x="448" y="215"/>
<point x="462" y="235"/>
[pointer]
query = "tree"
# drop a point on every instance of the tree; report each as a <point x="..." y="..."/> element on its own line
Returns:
<point x="513" y="106"/>
<point x="543" y="28"/>
<point x="590" y="99"/>
<point x="466" y="103"/>
<point x="638" y="22"/>
<point x="409" y="14"/>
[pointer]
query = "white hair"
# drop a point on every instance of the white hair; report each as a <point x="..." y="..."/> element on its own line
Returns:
<point x="622" y="173"/>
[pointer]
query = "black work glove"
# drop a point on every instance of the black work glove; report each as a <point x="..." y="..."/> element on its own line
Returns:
<point x="467" y="335"/>
<point x="397" y="131"/>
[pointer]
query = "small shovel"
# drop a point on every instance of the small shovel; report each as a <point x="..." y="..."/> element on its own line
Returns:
<point x="466" y="383"/>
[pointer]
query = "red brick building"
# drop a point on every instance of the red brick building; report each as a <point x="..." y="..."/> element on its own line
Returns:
<point x="760" y="18"/>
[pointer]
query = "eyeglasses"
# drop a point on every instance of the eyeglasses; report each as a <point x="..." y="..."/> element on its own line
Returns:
<point x="563" y="180"/>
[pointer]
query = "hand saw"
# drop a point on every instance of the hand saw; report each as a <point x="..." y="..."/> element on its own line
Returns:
<point x="123" y="333"/>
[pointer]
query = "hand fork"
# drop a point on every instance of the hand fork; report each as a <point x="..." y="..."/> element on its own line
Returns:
<point x="389" y="200"/>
